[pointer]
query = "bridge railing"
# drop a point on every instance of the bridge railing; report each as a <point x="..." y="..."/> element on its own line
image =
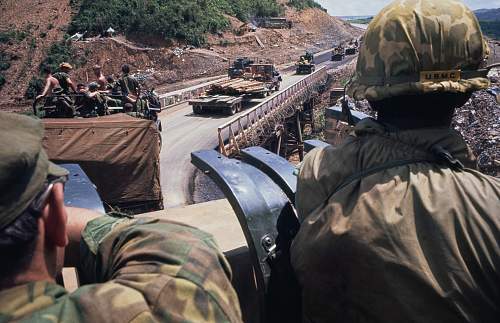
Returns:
<point x="237" y="130"/>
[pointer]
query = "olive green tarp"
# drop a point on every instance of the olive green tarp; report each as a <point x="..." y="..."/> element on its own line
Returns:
<point x="119" y="153"/>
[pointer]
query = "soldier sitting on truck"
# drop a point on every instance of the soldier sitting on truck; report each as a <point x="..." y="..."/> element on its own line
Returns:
<point x="51" y="82"/>
<point x="64" y="79"/>
<point x="100" y="79"/>
<point x="91" y="102"/>
<point x="57" y="104"/>
<point x="129" y="86"/>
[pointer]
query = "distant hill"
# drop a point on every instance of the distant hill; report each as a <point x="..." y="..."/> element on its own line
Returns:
<point x="488" y="14"/>
<point x="490" y="21"/>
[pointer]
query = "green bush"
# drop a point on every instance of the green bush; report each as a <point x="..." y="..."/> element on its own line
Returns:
<point x="304" y="4"/>
<point x="59" y="52"/>
<point x="35" y="87"/>
<point x="4" y="61"/>
<point x="12" y="35"/>
<point x="4" y="65"/>
<point x="2" y="80"/>
<point x="181" y="19"/>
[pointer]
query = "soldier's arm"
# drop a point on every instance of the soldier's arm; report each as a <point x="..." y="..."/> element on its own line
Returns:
<point x="77" y="221"/>
<point x="71" y="84"/>
<point x="46" y="90"/>
<point x="178" y="270"/>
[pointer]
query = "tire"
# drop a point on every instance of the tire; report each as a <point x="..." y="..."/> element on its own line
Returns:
<point x="197" y="109"/>
<point x="231" y="111"/>
<point x="158" y="125"/>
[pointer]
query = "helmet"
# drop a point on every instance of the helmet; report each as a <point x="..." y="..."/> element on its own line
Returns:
<point x="93" y="86"/>
<point x="66" y="65"/>
<point x="420" y="46"/>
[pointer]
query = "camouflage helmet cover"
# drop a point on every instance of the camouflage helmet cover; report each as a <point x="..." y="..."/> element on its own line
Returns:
<point x="420" y="46"/>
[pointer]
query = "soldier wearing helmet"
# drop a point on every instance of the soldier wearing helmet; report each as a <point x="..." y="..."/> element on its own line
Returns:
<point x="397" y="223"/>
<point x="64" y="79"/>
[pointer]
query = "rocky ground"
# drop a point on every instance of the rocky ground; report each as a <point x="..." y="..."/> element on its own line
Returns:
<point x="479" y="122"/>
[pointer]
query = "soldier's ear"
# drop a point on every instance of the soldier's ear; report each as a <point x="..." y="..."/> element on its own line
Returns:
<point x="55" y="218"/>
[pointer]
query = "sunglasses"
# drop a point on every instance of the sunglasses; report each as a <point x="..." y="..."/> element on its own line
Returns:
<point x="41" y="200"/>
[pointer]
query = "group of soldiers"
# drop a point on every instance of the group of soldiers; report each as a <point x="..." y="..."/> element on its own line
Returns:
<point x="397" y="223"/>
<point x="87" y="100"/>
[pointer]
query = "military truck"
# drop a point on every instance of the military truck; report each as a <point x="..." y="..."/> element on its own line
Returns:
<point x="352" y="47"/>
<point x="119" y="153"/>
<point x="305" y="64"/>
<point x="238" y="67"/>
<point x="338" y="53"/>
<point x="259" y="80"/>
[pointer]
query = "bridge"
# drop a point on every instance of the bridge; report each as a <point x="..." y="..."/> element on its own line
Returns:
<point x="256" y="126"/>
<point x="269" y="121"/>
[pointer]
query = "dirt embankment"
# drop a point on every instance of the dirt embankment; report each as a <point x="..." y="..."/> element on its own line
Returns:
<point x="33" y="26"/>
<point x="44" y="23"/>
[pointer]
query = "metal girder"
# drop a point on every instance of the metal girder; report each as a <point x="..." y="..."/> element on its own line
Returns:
<point x="269" y="223"/>
<point x="312" y="144"/>
<point x="335" y="112"/>
<point x="277" y="168"/>
<point x="268" y="220"/>
<point x="79" y="191"/>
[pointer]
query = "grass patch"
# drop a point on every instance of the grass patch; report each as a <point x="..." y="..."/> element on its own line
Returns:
<point x="59" y="52"/>
<point x="35" y="86"/>
<point x="9" y="36"/>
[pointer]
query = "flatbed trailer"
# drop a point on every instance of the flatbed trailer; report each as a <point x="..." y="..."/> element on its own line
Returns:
<point x="305" y="68"/>
<point x="225" y="103"/>
<point x="241" y="86"/>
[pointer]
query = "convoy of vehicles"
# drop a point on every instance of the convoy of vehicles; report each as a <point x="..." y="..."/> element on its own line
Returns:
<point x="257" y="81"/>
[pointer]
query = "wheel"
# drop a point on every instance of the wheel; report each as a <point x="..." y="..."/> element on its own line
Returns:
<point x="197" y="109"/>
<point x="158" y="125"/>
<point x="238" y="107"/>
<point x="231" y="111"/>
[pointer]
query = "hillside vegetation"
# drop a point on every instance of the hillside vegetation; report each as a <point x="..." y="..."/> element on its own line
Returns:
<point x="490" y="22"/>
<point x="186" y="20"/>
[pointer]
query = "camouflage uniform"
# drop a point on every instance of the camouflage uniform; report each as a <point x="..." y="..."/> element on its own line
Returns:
<point x="129" y="85"/>
<point x="138" y="271"/>
<point x="390" y="247"/>
<point x="393" y="231"/>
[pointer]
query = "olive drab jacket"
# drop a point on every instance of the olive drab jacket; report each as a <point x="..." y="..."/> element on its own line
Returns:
<point x="393" y="233"/>
<point x="139" y="271"/>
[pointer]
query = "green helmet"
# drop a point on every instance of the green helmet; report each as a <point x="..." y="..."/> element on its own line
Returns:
<point x="421" y="46"/>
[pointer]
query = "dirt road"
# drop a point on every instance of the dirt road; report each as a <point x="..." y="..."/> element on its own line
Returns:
<point x="185" y="132"/>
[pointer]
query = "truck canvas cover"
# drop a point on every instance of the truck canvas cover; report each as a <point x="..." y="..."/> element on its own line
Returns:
<point x="119" y="153"/>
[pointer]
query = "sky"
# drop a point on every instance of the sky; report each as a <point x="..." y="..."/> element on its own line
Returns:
<point x="372" y="7"/>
